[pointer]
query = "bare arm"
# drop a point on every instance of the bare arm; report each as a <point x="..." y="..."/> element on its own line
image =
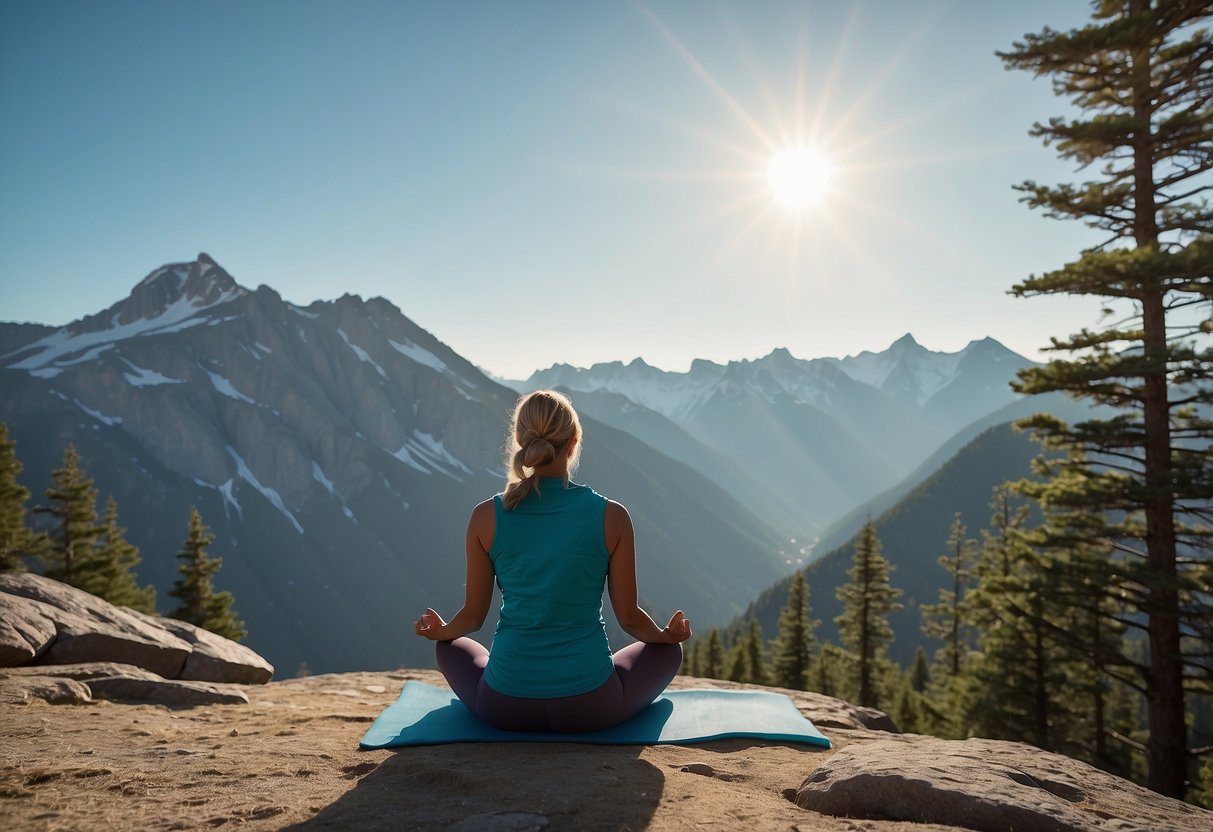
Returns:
<point x="621" y="584"/>
<point x="479" y="589"/>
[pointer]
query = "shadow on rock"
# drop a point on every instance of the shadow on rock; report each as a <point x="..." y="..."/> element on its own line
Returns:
<point x="498" y="787"/>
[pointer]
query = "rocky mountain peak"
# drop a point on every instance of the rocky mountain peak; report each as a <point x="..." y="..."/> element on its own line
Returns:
<point x="200" y="283"/>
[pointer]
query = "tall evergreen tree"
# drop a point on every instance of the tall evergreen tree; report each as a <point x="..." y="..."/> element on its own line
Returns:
<point x="109" y="572"/>
<point x="1141" y="76"/>
<point x="920" y="672"/>
<point x="949" y="619"/>
<point x="200" y="604"/>
<point x="17" y="539"/>
<point x="713" y="656"/>
<point x="793" y="646"/>
<point x="74" y="506"/>
<point x="755" y="650"/>
<point x="867" y="602"/>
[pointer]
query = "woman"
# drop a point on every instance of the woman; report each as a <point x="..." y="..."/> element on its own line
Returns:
<point x="551" y="544"/>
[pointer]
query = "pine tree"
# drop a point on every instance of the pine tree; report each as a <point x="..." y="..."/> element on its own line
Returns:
<point x="948" y="620"/>
<point x="17" y="539"/>
<point x="756" y="661"/>
<point x="109" y="569"/>
<point x="713" y="659"/>
<point x="920" y="672"/>
<point x="1141" y="77"/>
<point x="692" y="658"/>
<point x="793" y="646"/>
<point x="866" y="604"/>
<point x="200" y="604"/>
<point x="74" y="505"/>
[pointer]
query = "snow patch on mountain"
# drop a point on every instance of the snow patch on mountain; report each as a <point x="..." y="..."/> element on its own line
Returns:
<point x="111" y="421"/>
<point x="143" y="377"/>
<point x="225" y="387"/>
<point x="60" y="346"/>
<point x="420" y="354"/>
<point x="422" y="452"/>
<point x="270" y="494"/>
<point x="362" y="354"/>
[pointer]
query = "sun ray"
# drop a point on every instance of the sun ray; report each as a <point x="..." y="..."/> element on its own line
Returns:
<point x="828" y="85"/>
<point x="842" y="121"/>
<point x="690" y="130"/>
<point x="699" y="69"/>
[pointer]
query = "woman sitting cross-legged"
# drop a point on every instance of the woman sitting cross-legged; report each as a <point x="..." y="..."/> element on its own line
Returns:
<point x="552" y="544"/>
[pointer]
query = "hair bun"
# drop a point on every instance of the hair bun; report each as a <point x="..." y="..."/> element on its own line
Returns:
<point x="538" y="451"/>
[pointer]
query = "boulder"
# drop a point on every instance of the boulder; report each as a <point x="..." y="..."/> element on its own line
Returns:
<point x="91" y="629"/>
<point x="214" y="658"/>
<point x="19" y="690"/>
<point x="127" y="683"/>
<point x="25" y="630"/>
<point x="987" y="785"/>
<point x="173" y="693"/>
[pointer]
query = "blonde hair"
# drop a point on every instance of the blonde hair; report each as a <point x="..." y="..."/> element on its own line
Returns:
<point x="544" y="423"/>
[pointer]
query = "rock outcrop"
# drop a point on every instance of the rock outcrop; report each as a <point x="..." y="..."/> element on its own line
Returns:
<point x="45" y="622"/>
<point x="290" y="760"/>
<point x="986" y="785"/>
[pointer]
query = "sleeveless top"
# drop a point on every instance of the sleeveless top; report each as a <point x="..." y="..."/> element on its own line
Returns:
<point x="550" y="557"/>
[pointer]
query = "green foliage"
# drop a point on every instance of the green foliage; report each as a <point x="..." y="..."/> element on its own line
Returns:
<point x="74" y="506"/>
<point x="713" y="658"/>
<point x="864" y="624"/>
<point x="920" y="672"/>
<point x="108" y="573"/>
<point x="949" y="619"/>
<point x="755" y="651"/>
<point x="1141" y="478"/>
<point x="17" y="540"/>
<point x="200" y="604"/>
<point x="827" y="673"/>
<point x="793" y="646"/>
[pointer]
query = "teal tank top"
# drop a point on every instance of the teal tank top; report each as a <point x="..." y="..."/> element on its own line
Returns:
<point x="551" y="563"/>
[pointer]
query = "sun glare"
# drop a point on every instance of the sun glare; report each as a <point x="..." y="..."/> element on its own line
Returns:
<point x="800" y="177"/>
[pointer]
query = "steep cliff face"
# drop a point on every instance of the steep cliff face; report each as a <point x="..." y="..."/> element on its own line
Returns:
<point x="336" y="450"/>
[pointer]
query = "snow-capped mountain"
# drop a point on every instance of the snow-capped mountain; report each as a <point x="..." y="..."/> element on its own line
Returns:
<point x="336" y="451"/>
<point x="821" y="435"/>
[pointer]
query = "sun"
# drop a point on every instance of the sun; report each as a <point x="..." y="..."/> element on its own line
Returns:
<point x="800" y="177"/>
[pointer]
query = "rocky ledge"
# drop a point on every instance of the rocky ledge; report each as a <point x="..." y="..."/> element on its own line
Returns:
<point x="61" y="645"/>
<point x="289" y="758"/>
<point x="192" y="737"/>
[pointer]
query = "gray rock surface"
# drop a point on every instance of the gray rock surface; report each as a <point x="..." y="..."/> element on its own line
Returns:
<point x="214" y="658"/>
<point x="25" y="630"/>
<point x="987" y="785"/>
<point x="90" y="629"/>
<point x="118" y="682"/>
<point x="171" y="692"/>
<point x="50" y="622"/>
<point x="20" y="690"/>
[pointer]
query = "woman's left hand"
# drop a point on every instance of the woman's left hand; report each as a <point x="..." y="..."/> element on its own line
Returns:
<point x="430" y="625"/>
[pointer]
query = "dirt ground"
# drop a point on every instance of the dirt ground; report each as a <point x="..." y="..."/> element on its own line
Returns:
<point x="290" y="760"/>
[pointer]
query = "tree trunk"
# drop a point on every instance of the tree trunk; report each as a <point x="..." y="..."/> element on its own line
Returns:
<point x="1167" y="746"/>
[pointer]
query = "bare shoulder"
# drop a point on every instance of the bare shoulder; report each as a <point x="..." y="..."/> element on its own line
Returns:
<point x="484" y="519"/>
<point x="616" y="519"/>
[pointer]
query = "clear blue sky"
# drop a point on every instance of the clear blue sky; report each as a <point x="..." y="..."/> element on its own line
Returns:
<point x="542" y="181"/>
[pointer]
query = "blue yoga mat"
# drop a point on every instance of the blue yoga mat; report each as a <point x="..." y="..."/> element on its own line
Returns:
<point x="425" y="715"/>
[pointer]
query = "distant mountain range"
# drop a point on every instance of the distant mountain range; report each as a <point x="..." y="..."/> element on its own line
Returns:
<point x="800" y="442"/>
<point x="336" y="450"/>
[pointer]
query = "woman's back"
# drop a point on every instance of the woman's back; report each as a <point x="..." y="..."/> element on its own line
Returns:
<point x="551" y="561"/>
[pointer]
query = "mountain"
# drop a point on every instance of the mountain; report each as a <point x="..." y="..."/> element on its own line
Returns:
<point x="914" y="533"/>
<point x="822" y="435"/>
<point x="336" y="451"/>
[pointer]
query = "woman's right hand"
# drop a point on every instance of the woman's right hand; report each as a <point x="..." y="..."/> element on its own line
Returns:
<point x="679" y="628"/>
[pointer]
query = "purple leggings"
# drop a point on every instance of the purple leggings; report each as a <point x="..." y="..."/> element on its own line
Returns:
<point x="642" y="672"/>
